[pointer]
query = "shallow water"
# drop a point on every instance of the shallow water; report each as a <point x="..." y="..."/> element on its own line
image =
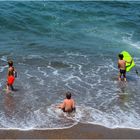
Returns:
<point x="69" y="46"/>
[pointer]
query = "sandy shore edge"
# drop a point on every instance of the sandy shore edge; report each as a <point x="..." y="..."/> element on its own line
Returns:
<point x="79" y="131"/>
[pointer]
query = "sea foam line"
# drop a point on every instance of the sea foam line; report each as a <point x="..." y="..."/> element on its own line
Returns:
<point x="28" y="129"/>
<point x="115" y="127"/>
<point x="61" y="128"/>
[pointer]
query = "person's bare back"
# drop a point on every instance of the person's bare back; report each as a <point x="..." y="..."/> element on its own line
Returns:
<point x="122" y="64"/>
<point x="122" y="67"/>
<point x="11" y="71"/>
<point x="68" y="104"/>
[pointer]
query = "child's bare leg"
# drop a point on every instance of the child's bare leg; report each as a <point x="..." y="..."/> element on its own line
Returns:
<point x="7" y="89"/>
<point x="119" y="77"/>
<point x="124" y="77"/>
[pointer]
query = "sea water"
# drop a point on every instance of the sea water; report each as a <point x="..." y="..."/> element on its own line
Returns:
<point x="69" y="46"/>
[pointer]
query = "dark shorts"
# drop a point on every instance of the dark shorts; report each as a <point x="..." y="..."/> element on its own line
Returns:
<point x="69" y="111"/>
<point x="122" y="72"/>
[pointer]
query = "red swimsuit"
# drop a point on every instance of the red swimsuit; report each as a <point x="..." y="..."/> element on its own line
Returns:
<point x="11" y="80"/>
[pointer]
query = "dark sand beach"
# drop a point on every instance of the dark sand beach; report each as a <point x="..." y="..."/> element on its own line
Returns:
<point x="80" y="131"/>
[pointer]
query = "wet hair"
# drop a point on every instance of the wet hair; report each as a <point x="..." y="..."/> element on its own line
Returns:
<point x="68" y="95"/>
<point x="120" y="56"/>
<point x="10" y="63"/>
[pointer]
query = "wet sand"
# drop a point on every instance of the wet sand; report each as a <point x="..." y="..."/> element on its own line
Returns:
<point x="80" y="131"/>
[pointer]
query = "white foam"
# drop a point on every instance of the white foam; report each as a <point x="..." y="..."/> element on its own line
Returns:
<point x="55" y="72"/>
<point x="83" y="114"/>
<point x="34" y="56"/>
<point x="4" y="58"/>
<point x="2" y="68"/>
<point x="40" y="81"/>
<point x="43" y="72"/>
<point x="136" y="44"/>
<point x="32" y="128"/>
<point x="80" y="71"/>
<point x="104" y="119"/>
<point x="129" y="41"/>
<point x="76" y="54"/>
<point x="69" y="77"/>
<point x="29" y="75"/>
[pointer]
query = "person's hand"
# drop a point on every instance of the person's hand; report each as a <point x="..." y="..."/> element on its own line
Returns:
<point x="58" y="106"/>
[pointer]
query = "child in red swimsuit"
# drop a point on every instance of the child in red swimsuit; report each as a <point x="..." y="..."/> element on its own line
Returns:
<point x="10" y="76"/>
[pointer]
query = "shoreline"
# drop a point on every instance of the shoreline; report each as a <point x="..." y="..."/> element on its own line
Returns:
<point x="79" y="131"/>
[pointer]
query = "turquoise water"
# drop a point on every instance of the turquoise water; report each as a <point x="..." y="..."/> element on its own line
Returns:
<point x="69" y="46"/>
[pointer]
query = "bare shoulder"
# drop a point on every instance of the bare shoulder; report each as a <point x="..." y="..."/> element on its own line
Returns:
<point x="65" y="100"/>
<point x="72" y="100"/>
<point x="11" y="69"/>
<point x="118" y="61"/>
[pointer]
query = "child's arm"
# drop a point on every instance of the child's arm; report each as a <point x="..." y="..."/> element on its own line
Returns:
<point x="118" y="65"/>
<point x="61" y="106"/>
<point x="14" y="69"/>
<point x="15" y="72"/>
<point x="8" y="73"/>
<point x="73" y="104"/>
<point x="58" y="106"/>
<point x="129" y="61"/>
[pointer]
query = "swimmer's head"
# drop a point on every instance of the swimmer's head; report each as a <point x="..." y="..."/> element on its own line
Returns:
<point x="68" y="95"/>
<point x="10" y="63"/>
<point x="120" y="56"/>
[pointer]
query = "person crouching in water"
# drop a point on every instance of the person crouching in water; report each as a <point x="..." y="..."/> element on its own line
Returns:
<point x="68" y="104"/>
<point x="122" y="67"/>
<point x="10" y="76"/>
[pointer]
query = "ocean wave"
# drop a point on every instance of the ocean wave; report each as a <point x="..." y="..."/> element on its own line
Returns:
<point x="38" y="120"/>
<point x="128" y="39"/>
